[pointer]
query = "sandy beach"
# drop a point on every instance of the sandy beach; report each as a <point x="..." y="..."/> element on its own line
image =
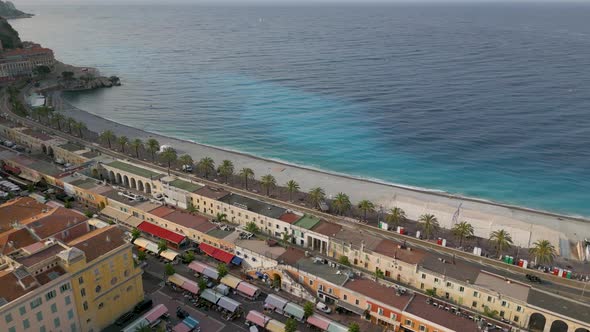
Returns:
<point x="526" y="226"/>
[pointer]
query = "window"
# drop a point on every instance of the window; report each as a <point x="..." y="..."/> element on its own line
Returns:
<point x="54" y="308"/>
<point x="56" y="322"/>
<point x="504" y="303"/>
<point x="489" y="298"/>
<point x="98" y="289"/>
<point x="42" y="329"/>
<point x="64" y="287"/>
<point x="50" y="295"/>
<point x="311" y="283"/>
<point x="474" y="304"/>
<point x="345" y="297"/>
<point x="81" y="280"/>
<point x="126" y="273"/>
<point x="35" y="303"/>
<point x="461" y="289"/>
<point x="380" y="311"/>
<point x="100" y="305"/>
<point x="22" y="310"/>
<point x="321" y="287"/>
<point x="450" y="285"/>
<point x="129" y="288"/>
<point x="423" y="328"/>
<point x="329" y="290"/>
<point x="8" y="318"/>
<point x="68" y="300"/>
<point x="83" y="291"/>
<point x="475" y="294"/>
<point x="26" y="324"/>
<point x="356" y="302"/>
<point x="408" y="322"/>
<point x="435" y="280"/>
<point x="39" y="316"/>
<point x="515" y="319"/>
<point x="113" y="280"/>
<point x="421" y="285"/>
<point x="70" y="314"/>
<point x="85" y="305"/>
<point x="392" y="316"/>
<point x="502" y="313"/>
<point x="73" y="327"/>
<point x="12" y="329"/>
<point x="519" y="308"/>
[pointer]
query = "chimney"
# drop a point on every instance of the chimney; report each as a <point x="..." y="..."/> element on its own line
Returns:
<point x="108" y="239"/>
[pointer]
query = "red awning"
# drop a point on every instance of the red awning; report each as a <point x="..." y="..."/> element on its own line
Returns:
<point x="13" y="170"/>
<point x="216" y="253"/>
<point x="160" y="232"/>
<point x="319" y="321"/>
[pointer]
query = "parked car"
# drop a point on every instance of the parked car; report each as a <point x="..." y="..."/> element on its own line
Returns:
<point x="180" y="313"/>
<point x="126" y="317"/>
<point x="321" y="306"/>
<point x="143" y="306"/>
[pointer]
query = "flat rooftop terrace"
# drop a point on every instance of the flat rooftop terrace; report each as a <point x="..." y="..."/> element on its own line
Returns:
<point x="307" y="222"/>
<point x="261" y="247"/>
<point x="323" y="271"/>
<point x="72" y="147"/>
<point x="140" y="171"/>
<point x="253" y="205"/>
<point x="185" y="185"/>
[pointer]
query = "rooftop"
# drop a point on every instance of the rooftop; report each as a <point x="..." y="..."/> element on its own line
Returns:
<point x="444" y="265"/>
<point x="185" y="185"/>
<point x="50" y="274"/>
<point x="307" y="222"/>
<point x="41" y="255"/>
<point x="54" y="221"/>
<point x="290" y="217"/>
<point x="148" y="206"/>
<point x="212" y="192"/>
<point x="356" y="237"/>
<point x="14" y="239"/>
<point x="419" y="307"/>
<point x="99" y="242"/>
<point x="11" y="288"/>
<point x="327" y="228"/>
<point x="188" y="220"/>
<point x="140" y="171"/>
<point x="37" y="164"/>
<point x="37" y="134"/>
<point x="560" y="305"/>
<point x="18" y="210"/>
<point x="114" y="195"/>
<point x="162" y="211"/>
<point x="90" y="154"/>
<point x="321" y="270"/>
<point x="261" y="247"/>
<point x="72" y="147"/>
<point x="291" y="256"/>
<point x="393" y="249"/>
<point x="378" y="292"/>
<point x="253" y="205"/>
<point x="219" y="233"/>
<point x="502" y="285"/>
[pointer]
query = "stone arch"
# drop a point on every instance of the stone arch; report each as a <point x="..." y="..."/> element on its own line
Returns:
<point x="133" y="184"/>
<point x="44" y="148"/>
<point x="112" y="176"/>
<point x="126" y="180"/>
<point x="140" y="185"/>
<point x="50" y="150"/>
<point x="581" y="329"/>
<point x="95" y="173"/>
<point x="559" y="326"/>
<point x="537" y="322"/>
<point x="148" y="188"/>
<point x="119" y="179"/>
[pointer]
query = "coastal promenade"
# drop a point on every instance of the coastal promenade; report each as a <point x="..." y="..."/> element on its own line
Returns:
<point x="526" y="226"/>
<point x="566" y="287"/>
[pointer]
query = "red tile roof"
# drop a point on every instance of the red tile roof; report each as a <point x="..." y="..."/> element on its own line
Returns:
<point x="15" y="239"/>
<point x="100" y="242"/>
<point x="375" y="291"/>
<point x="161" y="232"/>
<point x="393" y="249"/>
<point x="18" y="210"/>
<point x="327" y="228"/>
<point x="27" y="51"/>
<point x="162" y="211"/>
<point x="216" y="253"/>
<point x="54" y="221"/>
<point x="428" y="312"/>
<point x="11" y="289"/>
<point x="289" y="217"/>
<point x="186" y="219"/>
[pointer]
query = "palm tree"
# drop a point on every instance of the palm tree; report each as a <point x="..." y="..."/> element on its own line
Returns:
<point x="292" y="187"/>
<point x="316" y="196"/>
<point x="226" y="169"/>
<point x="396" y="216"/>
<point x="543" y="252"/>
<point x="143" y="328"/>
<point x="36" y="112"/>
<point x="221" y="217"/>
<point x="463" y="230"/>
<point x="429" y="224"/>
<point x="366" y="206"/>
<point x="80" y="127"/>
<point x="135" y="233"/>
<point x="191" y="208"/>
<point x="206" y="166"/>
<point x="246" y="173"/>
<point x="162" y="246"/>
<point x="153" y="146"/>
<point x="57" y="119"/>
<point x="286" y="238"/>
<point x="268" y="181"/>
<point x="501" y="240"/>
<point x="71" y="122"/>
<point x="252" y="227"/>
<point x="169" y="156"/>
<point x="123" y="140"/>
<point x="108" y="136"/>
<point x="185" y="159"/>
<point x="341" y="203"/>
<point x="136" y="144"/>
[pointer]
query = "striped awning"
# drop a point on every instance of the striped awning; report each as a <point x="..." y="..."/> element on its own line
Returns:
<point x="230" y="281"/>
<point x="211" y="296"/>
<point x="294" y="310"/>
<point x="157" y="312"/>
<point x="147" y="244"/>
<point x="191" y="322"/>
<point x="248" y="289"/>
<point x="275" y="326"/>
<point x="335" y="327"/>
<point x="169" y="254"/>
<point x="257" y="318"/>
<point x="319" y="321"/>
<point x="197" y="266"/>
<point x="228" y="304"/>
<point x="275" y="301"/>
<point x="177" y="279"/>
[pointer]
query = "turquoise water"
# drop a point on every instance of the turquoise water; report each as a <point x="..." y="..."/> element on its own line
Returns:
<point x="489" y="101"/>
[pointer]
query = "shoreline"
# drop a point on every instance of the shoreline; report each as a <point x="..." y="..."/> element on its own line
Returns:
<point x="414" y="200"/>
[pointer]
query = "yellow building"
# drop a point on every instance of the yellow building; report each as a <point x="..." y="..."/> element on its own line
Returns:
<point x="105" y="281"/>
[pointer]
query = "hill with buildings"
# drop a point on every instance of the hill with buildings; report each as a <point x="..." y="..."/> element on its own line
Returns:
<point x="8" y="36"/>
<point x="8" y="10"/>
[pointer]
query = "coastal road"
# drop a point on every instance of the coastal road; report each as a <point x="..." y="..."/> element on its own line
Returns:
<point x="568" y="287"/>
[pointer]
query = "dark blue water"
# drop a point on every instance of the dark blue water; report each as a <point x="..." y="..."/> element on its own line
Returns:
<point x="491" y="101"/>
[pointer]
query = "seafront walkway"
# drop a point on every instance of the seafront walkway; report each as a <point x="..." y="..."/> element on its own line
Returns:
<point x="565" y="287"/>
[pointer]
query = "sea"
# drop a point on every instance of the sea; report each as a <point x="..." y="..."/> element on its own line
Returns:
<point x="488" y="100"/>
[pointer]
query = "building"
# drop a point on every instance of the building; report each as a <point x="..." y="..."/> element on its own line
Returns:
<point x="21" y="62"/>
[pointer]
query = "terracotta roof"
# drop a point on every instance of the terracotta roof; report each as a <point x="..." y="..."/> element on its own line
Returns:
<point x="54" y="221"/>
<point x="48" y="275"/>
<point x="186" y="219"/>
<point x="212" y="192"/>
<point x="11" y="289"/>
<point x="327" y="228"/>
<point x="420" y="308"/>
<point x="377" y="292"/>
<point x="290" y="218"/>
<point x="357" y="237"/>
<point x="291" y="256"/>
<point x="14" y="239"/>
<point x="27" y="51"/>
<point x="162" y="211"/>
<point x="19" y="210"/>
<point x="41" y="255"/>
<point x="393" y="249"/>
<point x="99" y="242"/>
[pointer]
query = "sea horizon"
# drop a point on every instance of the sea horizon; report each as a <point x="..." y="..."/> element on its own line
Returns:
<point x="304" y="110"/>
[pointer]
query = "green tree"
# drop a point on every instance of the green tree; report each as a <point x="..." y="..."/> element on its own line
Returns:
<point x="202" y="284"/>
<point x="276" y="281"/>
<point x="252" y="227"/>
<point x="268" y="182"/>
<point x="58" y="118"/>
<point x="191" y="208"/>
<point x="379" y="274"/>
<point x="221" y="217"/>
<point x="431" y="292"/>
<point x="285" y="239"/>
<point x="71" y="124"/>
<point x="123" y="141"/>
<point x="396" y="216"/>
<point x="226" y="169"/>
<point x="489" y="312"/>
<point x="153" y="146"/>
<point x="206" y="166"/>
<point x="185" y="159"/>
<point x="291" y="325"/>
<point x="81" y="126"/>
<point x="141" y="255"/>
<point x="136" y="144"/>
<point x="429" y="224"/>
<point x="292" y="187"/>
<point x="246" y="173"/>
<point x="108" y="137"/>
<point x="162" y="245"/>
<point x="316" y="196"/>
<point x="67" y="75"/>
<point x="222" y="270"/>
<point x="366" y="206"/>
<point x="354" y="327"/>
<point x="135" y="233"/>
<point x="463" y="230"/>
<point x="307" y="309"/>
<point x="168" y="156"/>
<point x="68" y="205"/>
<point x="543" y="252"/>
<point x="501" y="241"/>
<point x="343" y="260"/>
<point x="143" y="327"/>
<point x="41" y="70"/>
<point x="188" y="257"/>
<point x="341" y="203"/>
<point x="169" y="269"/>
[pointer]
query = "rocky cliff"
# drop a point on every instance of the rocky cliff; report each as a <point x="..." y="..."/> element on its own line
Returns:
<point x="8" y="35"/>
<point x="8" y="10"/>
